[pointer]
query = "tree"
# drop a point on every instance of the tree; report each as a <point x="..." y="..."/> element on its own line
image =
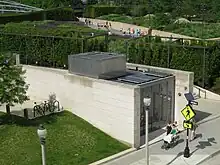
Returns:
<point x="13" y="87"/>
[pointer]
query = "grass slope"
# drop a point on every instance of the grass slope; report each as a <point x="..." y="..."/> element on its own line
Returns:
<point x="71" y="141"/>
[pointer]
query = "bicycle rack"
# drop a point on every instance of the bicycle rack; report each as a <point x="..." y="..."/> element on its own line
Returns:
<point x="45" y="107"/>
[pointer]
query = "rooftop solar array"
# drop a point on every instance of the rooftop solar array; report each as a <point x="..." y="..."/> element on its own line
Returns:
<point x="189" y="97"/>
<point x="136" y="77"/>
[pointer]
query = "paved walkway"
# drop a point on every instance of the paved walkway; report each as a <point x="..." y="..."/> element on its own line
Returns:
<point x="213" y="161"/>
<point x="119" y="25"/>
<point x="201" y="148"/>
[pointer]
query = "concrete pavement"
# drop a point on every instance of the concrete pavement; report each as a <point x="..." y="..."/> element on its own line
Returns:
<point x="214" y="160"/>
<point x="207" y="143"/>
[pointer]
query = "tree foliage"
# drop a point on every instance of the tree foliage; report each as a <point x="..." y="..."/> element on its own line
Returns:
<point x="13" y="87"/>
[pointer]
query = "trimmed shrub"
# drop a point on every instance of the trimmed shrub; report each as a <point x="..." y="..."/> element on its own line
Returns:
<point x="48" y="43"/>
<point x="94" y="11"/>
<point x="58" y="14"/>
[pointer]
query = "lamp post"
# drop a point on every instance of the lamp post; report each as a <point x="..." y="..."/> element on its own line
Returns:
<point x="147" y="102"/>
<point x="42" y="133"/>
<point x="186" y="153"/>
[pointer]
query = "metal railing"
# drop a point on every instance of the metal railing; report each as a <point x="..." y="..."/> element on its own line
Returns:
<point x="200" y="90"/>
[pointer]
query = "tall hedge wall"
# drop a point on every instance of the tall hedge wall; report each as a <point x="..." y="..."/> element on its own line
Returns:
<point x="59" y="14"/>
<point x="201" y="58"/>
<point x="174" y="55"/>
<point x="48" y="51"/>
<point x="93" y="11"/>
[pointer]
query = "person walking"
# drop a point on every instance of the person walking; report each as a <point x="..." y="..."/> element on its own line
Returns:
<point x="175" y="126"/>
<point x="169" y="128"/>
<point x="193" y="129"/>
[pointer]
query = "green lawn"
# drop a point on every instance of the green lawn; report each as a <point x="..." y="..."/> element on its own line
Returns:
<point x="70" y="141"/>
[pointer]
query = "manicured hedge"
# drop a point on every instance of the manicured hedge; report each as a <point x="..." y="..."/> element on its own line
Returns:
<point x="49" y="45"/>
<point x="174" y="55"/>
<point x="53" y="51"/>
<point x="59" y="14"/>
<point x="46" y="4"/>
<point x="49" y="51"/>
<point x="50" y="28"/>
<point x="93" y="11"/>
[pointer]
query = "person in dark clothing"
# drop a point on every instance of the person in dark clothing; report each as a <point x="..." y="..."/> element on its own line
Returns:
<point x="169" y="128"/>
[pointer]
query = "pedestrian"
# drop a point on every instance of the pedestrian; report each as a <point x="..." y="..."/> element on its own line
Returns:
<point x="175" y="126"/>
<point x="150" y="31"/>
<point x="193" y="129"/>
<point x="169" y="128"/>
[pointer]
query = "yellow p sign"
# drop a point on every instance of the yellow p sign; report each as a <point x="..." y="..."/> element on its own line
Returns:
<point x="187" y="125"/>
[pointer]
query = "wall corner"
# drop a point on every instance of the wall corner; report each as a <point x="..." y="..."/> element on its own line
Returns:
<point x="137" y="107"/>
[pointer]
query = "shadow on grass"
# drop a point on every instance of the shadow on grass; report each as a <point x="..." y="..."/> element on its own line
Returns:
<point x="6" y="119"/>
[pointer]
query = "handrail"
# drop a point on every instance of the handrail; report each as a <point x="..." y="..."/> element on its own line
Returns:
<point x="200" y="90"/>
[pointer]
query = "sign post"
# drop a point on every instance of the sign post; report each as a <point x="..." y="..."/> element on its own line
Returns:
<point x="188" y="114"/>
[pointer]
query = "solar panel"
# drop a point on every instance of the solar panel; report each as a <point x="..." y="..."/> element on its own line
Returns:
<point x="145" y="77"/>
<point x="137" y="78"/>
<point x="126" y="80"/>
<point x="189" y="96"/>
<point x="140" y="79"/>
<point x="131" y="79"/>
<point x="162" y="75"/>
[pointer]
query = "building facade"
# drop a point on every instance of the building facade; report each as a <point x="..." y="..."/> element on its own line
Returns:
<point x="112" y="99"/>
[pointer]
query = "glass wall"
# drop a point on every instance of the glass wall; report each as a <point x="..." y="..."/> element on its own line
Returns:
<point x="161" y="110"/>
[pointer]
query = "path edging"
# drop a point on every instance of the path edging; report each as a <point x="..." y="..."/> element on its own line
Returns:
<point x="209" y="157"/>
<point x="113" y="157"/>
<point x="128" y="151"/>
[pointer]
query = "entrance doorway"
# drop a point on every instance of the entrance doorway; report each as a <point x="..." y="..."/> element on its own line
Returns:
<point x="160" y="111"/>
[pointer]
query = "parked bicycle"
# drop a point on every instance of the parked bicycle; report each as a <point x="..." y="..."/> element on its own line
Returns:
<point x="46" y="107"/>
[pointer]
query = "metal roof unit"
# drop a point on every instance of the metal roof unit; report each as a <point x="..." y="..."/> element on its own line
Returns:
<point x="97" y="64"/>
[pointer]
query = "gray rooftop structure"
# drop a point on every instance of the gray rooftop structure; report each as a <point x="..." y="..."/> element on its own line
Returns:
<point x="97" y="64"/>
<point x="110" y="66"/>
